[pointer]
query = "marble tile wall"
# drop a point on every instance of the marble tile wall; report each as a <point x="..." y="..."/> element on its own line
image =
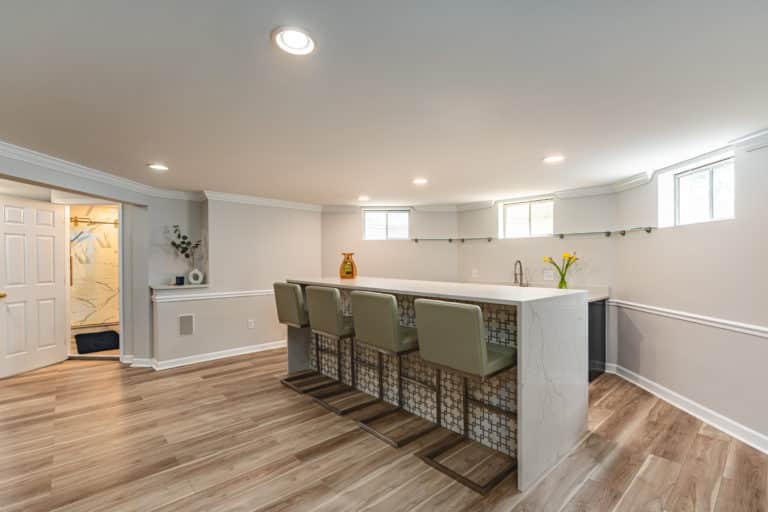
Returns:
<point x="94" y="249"/>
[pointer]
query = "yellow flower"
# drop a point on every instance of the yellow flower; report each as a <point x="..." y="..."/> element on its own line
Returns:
<point x="547" y="259"/>
<point x="566" y="256"/>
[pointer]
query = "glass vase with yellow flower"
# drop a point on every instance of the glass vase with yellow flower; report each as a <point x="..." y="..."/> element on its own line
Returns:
<point x="562" y="268"/>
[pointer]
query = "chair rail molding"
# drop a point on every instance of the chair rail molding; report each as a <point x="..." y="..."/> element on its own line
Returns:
<point x="718" y="323"/>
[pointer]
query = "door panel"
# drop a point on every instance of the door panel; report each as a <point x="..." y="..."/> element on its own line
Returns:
<point x="13" y="215"/>
<point x="15" y="259"/>
<point x="33" y="323"/>
<point x="46" y="323"/>
<point x="46" y="259"/>
<point x="16" y="328"/>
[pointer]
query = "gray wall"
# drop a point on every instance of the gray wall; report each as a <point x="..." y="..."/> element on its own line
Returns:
<point x="404" y="259"/>
<point x="712" y="269"/>
<point x="249" y="248"/>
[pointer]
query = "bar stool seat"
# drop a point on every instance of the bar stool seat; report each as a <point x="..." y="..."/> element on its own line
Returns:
<point x="327" y="318"/>
<point x="377" y="326"/>
<point x="291" y="311"/>
<point x="452" y="335"/>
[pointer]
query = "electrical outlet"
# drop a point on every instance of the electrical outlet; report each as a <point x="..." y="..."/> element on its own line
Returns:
<point x="251" y="324"/>
<point x="549" y="275"/>
<point x="475" y="272"/>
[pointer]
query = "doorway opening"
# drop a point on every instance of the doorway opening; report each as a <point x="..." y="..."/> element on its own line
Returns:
<point x="94" y="281"/>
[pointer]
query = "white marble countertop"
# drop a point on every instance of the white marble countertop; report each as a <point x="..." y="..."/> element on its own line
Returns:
<point x="476" y="292"/>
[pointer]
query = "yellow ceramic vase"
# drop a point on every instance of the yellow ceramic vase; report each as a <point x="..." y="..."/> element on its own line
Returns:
<point x="348" y="269"/>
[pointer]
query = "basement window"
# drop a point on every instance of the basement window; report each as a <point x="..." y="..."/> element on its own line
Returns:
<point x="702" y="194"/>
<point x="386" y="224"/>
<point x="527" y="219"/>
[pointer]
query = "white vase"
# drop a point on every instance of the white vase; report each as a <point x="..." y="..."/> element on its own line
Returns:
<point x="196" y="276"/>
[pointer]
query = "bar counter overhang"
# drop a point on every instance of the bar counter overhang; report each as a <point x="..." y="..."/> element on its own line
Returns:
<point x="547" y="390"/>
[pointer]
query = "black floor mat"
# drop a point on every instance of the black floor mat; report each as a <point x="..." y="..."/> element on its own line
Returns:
<point x="97" y="341"/>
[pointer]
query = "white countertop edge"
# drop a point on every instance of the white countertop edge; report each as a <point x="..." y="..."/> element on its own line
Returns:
<point x="164" y="287"/>
<point x="449" y="290"/>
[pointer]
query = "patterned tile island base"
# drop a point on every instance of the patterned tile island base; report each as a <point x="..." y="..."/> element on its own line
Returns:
<point x="492" y="429"/>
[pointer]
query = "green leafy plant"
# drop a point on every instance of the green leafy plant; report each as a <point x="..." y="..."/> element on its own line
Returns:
<point x="184" y="245"/>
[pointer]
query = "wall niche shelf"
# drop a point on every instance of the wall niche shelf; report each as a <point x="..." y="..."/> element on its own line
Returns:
<point x="622" y="232"/>
<point x="453" y="239"/>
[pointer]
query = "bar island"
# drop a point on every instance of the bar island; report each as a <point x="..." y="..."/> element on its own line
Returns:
<point x="537" y="410"/>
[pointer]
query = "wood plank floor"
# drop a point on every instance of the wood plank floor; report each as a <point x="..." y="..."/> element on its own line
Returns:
<point x="226" y="435"/>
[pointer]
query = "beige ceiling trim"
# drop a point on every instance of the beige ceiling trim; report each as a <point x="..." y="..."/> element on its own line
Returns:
<point x="260" y="201"/>
<point x="72" y="169"/>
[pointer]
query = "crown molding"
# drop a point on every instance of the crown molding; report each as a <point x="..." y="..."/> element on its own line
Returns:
<point x="749" y="137"/>
<point x="340" y="208"/>
<point x="80" y="171"/>
<point x="260" y="201"/>
<point x="479" y="205"/>
<point x="436" y="208"/>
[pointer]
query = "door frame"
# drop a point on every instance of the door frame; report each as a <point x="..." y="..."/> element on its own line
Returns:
<point x="120" y="270"/>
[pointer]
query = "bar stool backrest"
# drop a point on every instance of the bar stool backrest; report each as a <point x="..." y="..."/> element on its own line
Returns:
<point x="325" y="311"/>
<point x="451" y="335"/>
<point x="377" y="322"/>
<point x="290" y="304"/>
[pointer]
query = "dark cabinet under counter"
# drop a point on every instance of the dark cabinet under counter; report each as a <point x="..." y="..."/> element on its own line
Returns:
<point x="597" y="336"/>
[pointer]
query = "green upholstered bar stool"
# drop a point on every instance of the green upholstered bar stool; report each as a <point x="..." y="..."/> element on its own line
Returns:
<point x="452" y="336"/>
<point x="291" y="311"/>
<point x="377" y="325"/>
<point x="326" y="318"/>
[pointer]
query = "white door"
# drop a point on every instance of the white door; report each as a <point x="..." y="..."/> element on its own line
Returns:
<point x="33" y="329"/>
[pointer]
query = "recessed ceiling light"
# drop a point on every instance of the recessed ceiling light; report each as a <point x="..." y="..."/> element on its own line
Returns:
<point x="158" y="167"/>
<point x="554" y="159"/>
<point x="293" y="40"/>
<point x="420" y="181"/>
<point x="363" y="198"/>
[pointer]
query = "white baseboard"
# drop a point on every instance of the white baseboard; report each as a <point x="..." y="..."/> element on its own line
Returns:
<point x="126" y="359"/>
<point x="200" y="358"/>
<point x="742" y="433"/>
<point x="141" y="362"/>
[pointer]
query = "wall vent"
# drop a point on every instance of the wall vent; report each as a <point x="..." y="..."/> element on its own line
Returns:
<point x="186" y="325"/>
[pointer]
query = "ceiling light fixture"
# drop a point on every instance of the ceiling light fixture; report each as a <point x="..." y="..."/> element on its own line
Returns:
<point x="420" y="181"/>
<point x="293" y="40"/>
<point x="554" y="159"/>
<point x="363" y="198"/>
<point x="158" y="167"/>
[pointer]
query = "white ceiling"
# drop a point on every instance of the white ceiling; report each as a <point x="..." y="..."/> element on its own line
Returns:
<point x="471" y="95"/>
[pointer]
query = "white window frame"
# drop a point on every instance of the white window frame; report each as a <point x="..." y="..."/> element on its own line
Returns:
<point x="387" y="211"/>
<point x="503" y="217"/>
<point x="710" y="170"/>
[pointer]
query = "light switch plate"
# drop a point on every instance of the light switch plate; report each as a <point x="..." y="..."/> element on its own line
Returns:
<point x="251" y="324"/>
<point x="549" y="275"/>
<point x="475" y="272"/>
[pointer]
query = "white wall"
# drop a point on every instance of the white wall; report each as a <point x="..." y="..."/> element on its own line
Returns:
<point x="712" y="269"/>
<point x="404" y="259"/>
<point x="249" y="247"/>
<point x="164" y="262"/>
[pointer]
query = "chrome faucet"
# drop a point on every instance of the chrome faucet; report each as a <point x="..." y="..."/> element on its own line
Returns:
<point x="519" y="279"/>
